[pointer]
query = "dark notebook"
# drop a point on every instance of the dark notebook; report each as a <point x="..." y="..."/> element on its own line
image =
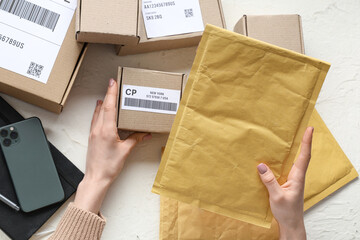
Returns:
<point x="20" y="225"/>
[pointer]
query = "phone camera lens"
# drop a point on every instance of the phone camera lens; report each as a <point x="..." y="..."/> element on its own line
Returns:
<point x="4" y="133"/>
<point x="14" y="135"/>
<point x="7" y="142"/>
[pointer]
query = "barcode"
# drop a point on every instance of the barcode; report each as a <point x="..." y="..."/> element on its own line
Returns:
<point x="189" y="12"/>
<point x="31" y="12"/>
<point x="141" y="103"/>
<point x="35" y="69"/>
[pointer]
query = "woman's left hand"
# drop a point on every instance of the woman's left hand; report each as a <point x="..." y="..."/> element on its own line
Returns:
<point x="106" y="153"/>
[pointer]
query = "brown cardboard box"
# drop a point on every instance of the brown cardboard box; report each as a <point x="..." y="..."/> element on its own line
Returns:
<point x="281" y="30"/>
<point x="143" y="121"/>
<point x="104" y="21"/>
<point x="122" y="23"/>
<point x="52" y="95"/>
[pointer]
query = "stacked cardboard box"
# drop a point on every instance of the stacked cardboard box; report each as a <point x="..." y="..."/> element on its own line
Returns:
<point x="121" y="23"/>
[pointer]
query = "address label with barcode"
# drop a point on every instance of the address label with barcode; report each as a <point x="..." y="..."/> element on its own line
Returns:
<point x="31" y="34"/>
<point x="171" y="17"/>
<point x="149" y="99"/>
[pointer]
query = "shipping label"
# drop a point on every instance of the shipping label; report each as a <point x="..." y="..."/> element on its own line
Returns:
<point x="171" y="17"/>
<point x="31" y="34"/>
<point x="149" y="99"/>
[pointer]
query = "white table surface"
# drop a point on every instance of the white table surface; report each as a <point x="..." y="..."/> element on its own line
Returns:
<point x="331" y="32"/>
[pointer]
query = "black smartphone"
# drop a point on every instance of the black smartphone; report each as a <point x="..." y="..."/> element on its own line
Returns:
<point x="30" y="163"/>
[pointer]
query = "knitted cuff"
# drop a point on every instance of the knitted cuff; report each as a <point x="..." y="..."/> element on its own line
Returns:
<point x="78" y="224"/>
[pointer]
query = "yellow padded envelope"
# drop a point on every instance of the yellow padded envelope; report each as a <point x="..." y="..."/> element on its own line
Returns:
<point x="328" y="171"/>
<point x="329" y="168"/>
<point x="245" y="102"/>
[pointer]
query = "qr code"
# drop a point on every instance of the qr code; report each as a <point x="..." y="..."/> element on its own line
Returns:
<point x="189" y="12"/>
<point x="35" y="69"/>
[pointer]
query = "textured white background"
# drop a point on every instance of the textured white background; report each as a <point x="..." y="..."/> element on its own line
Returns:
<point x="331" y="32"/>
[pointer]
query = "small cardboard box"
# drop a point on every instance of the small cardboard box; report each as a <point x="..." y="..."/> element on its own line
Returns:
<point x="122" y="23"/>
<point x="113" y="22"/>
<point x="148" y="99"/>
<point x="281" y="30"/>
<point x="52" y="95"/>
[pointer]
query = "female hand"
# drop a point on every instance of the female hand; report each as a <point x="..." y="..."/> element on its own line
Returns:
<point x="106" y="153"/>
<point x="287" y="200"/>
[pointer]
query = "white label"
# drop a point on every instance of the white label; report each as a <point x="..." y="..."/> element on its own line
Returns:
<point x="171" y="17"/>
<point x="148" y="99"/>
<point x="31" y="34"/>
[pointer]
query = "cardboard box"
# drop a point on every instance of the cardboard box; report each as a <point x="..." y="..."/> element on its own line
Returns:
<point x="52" y="95"/>
<point x="121" y="23"/>
<point x="281" y="30"/>
<point x="131" y="82"/>
<point x="113" y="22"/>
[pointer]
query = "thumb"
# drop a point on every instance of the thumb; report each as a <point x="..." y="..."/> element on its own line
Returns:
<point x="136" y="138"/>
<point x="269" y="180"/>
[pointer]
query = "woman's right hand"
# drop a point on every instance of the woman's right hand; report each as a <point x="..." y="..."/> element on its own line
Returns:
<point x="287" y="200"/>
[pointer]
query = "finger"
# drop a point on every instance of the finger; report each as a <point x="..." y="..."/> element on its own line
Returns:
<point x="303" y="160"/>
<point x="269" y="180"/>
<point x="109" y="105"/>
<point x="96" y="114"/>
<point x="106" y="106"/>
<point x="134" y="139"/>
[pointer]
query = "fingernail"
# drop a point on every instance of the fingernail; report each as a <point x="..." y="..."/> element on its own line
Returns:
<point x="147" y="137"/>
<point x="262" y="168"/>
<point x="98" y="102"/>
<point x="111" y="82"/>
<point x="312" y="129"/>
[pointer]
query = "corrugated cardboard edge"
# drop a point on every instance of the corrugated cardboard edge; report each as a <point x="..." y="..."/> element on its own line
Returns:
<point x="73" y="76"/>
<point x="77" y="18"/>
<point x="119" y="79"/>
<point x="183" y="85"/>
<point x="241" y="26"/>
<point x="118" y="50"/>
<point x="222" y="14"/>
<point x="157" y="188"/>
<point x="301" y="35"/>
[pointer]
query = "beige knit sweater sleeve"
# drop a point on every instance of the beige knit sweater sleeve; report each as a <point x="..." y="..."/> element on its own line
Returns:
<point x="78" y="224"/>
